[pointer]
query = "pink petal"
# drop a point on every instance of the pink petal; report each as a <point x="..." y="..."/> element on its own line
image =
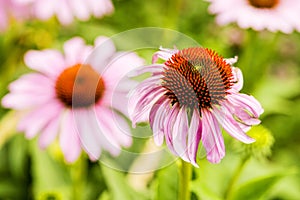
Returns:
<point x="237" y="79"/>
<point x="68" y="138"/>
<point x="179" y="134"/>
<point x="76" y="51"/>
<point x="50" y="132"/>
<point x="102" y="53"/>
<point x="157" y="118"/>
<point x="212" y="138"/>
<point x="171" y="116"/>
<point x="48" y="62"/>
<point x="85" y="123"/>
<point x="164" y="54"/>
<point x="114" y="127"/>
<point x="154" y="69"/>
<point x="246" y="102"/>
<point x="230" y="125"/>
<point x="37" y="119"/>
<point x="194" y="137"/>
<point x="120" y="65"/>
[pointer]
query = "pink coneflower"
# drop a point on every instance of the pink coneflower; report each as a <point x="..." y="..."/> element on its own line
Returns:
<point x="273" y="15"/>
<point x="189" y="97"/>
<point x="72" y="98"/>
<point x="67" y="10"/>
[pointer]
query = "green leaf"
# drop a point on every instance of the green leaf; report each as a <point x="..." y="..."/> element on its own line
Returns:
<point x="256" y="188"/>
<point x="49" y="177"/>
<point x="118" y="186"/>
<point x="203" y="191"/>
<point x="8" y="125"/>
<point x="167" y="183"/>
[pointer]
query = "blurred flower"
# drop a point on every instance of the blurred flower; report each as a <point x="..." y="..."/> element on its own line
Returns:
<point x="262" y="147"/>
<point x="11" y="9"/>
<point x="273" y="15"/>
<point x="73" y="98"/>
<point x="66" y="10"/>
<point x="189" y="97"/>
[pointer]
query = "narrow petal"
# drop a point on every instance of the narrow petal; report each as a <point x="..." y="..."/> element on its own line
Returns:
<point x="157" y="118"/>
<point x="194" y="136"/>
<point x="179" y="134"/>
<point x="246" y="102"/>
<point x="225" y="118"/>
<point x="50" y="132"/>
<point x="68" y="138"/>
<point x="171" y="116"/>
<point x="212" y="137"/>
<point x="154" y="69"/>
<point x="115" y="127"/>
<point x="86" y="132"/>
<point x="164" y="54"/>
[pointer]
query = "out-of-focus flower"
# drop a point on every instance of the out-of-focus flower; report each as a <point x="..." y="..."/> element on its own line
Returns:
<point x="273" y="15"/>
<point x="73" y="98"/>
<point x="189" y="97"/>
<point x="11" y="9"/>
<point x="66" y="10"/>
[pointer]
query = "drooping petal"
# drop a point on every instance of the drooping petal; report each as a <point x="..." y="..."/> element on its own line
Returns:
<point x="84" y="122"/>
<point x="246" y="102"/>
<point x="68" y="138"/>
<point x="179" y="134"/>
<point x="49" y="132"/>
<point x="157" y="118"/>
<point x="225" y="118"/>
<point x="212" y="137"/>
<point x="115" y="128"/>
<point x="194" y="136"/>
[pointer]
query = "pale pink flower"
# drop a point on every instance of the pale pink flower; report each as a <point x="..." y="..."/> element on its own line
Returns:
<point x="273" y="15"/>
<point x="67" y="10"/>
<point x="189" y="97"/>
<point x="71" y="97"/>
<point x="12" y="10"/>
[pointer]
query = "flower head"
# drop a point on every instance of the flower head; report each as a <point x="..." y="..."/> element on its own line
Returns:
<point x="273" y="15"/>
<point x="189" y="97"/>
<point x="71" y="95"/>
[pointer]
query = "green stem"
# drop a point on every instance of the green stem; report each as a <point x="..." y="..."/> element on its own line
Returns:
<point x="184" y="181"/>
<point x="236" y="176"/>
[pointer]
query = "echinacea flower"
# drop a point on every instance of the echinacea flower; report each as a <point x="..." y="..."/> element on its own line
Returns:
<point x="66" y="10"/>
<point x="71" y="97"/>
<point x="273" y="15"/>
<point x="189" y="97"/>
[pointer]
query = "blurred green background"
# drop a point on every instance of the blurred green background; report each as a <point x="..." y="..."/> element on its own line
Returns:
<point x="270" y="63"/>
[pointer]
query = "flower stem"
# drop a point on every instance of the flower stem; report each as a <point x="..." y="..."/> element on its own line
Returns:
<point x="236" y="176"/>
<point x="184" y="181"/>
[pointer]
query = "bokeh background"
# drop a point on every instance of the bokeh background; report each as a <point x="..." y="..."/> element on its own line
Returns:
<point x="270" y="63"/>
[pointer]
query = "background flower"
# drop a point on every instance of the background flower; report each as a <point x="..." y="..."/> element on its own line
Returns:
<point x="67" y="10"/>
<point x="65" y="83"/>
<point x="273" y="15"/>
